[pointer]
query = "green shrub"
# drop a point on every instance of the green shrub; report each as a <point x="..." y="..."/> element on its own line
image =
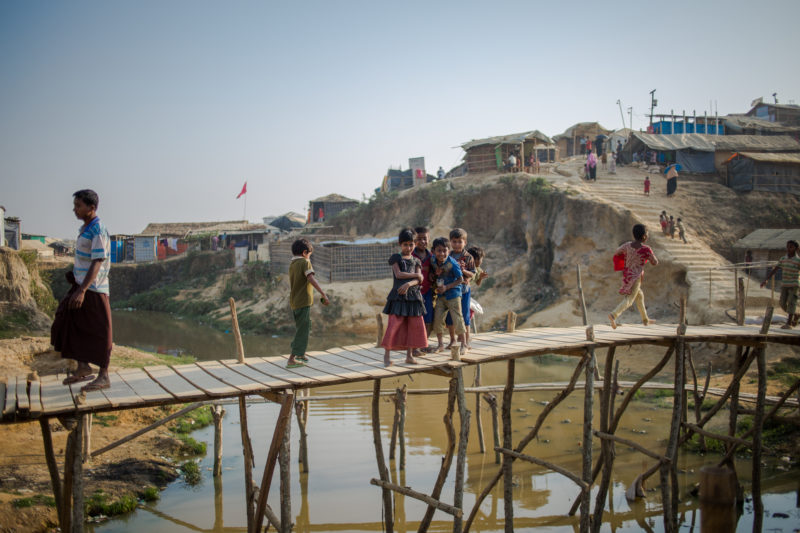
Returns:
<point x="190" y="446"/>
<point x="101" y="503"/>
<point x="150" y="494"/>
<point x="191" y="473"/>
<point x="196" y="419"/>
<point x="537" y="187"/>
<point x="30" y="501"/>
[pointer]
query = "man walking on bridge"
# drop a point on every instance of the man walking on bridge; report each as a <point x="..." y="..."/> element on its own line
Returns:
<point x="790" y="268"/>
<point x="82" y="326"/>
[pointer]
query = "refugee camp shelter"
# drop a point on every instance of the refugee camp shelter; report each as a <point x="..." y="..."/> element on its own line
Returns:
<point x="12" y="232"/>
<point x="340" y="258"/>
<point x="782" y="113"/>
<point x="749" y="125"/>
<point x="569" y="142"/>
<point x="702" y="154"/>
<point x="674" y="124"/>
<point x="763" y="171"/>
<point x="329" y="206"/>
<point x="162" y="240"/>
<point x="122" y="248"/>
<point x="398" y="180"/>
<point x="766" y="245"/>
<point x="289" y="221"/>
<point x="490" y="154"/>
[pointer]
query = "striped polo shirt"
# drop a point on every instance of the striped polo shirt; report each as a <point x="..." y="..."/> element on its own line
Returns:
<point x="93" y="243"/>
<point x="790" y="267"/>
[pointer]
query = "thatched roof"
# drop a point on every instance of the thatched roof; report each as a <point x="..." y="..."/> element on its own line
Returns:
<point x="331" y="198"/>
<point x="583" y="128"/>
<point x="511" y="138"/>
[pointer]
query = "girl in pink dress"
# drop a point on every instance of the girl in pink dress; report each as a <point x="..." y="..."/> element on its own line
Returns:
<point x="636" y="254"/>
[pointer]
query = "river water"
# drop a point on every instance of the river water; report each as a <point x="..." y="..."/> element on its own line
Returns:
<point x="336" y="494"/>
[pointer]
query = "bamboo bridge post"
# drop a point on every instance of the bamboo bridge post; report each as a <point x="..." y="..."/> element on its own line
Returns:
<point x="237" y="335"/>
<point x="586" y="444"/>
<point x="739" y="358"/>
<point x="284" y="417"/>
<point x="511" y="322"/>
<point x="758" y="425"/>
<point x="379" y="337"/>
<point x="447" y="460"/>
<point x="395" y="424"/>
<point x="491" y="399"/>
<point x="479" y="424"/>
<point x="247" y="456"/>
<point x="285" y="470"/>
<point x="608" y="449"/>
<point x="52" y="466"/>
<point x="86" y="435"/>
<point x="301" y="412"/>
<point x="402" y="426"/>
<point x="463" y="438"/>
<point x="508" y="461"/>
<point x="388" y="517"/>
<point x="218" y="413"/>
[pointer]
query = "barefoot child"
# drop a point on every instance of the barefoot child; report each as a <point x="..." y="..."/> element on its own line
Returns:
<point x="448" y="292"/>
<point x="458" y="244"/>
<point x="404" y="305"/>
<point x="636" y="254"/>
<point x="301" y="280"/>
<point x="647" y="186"/>
<point x="790" y="267"/>
<point x="424" y="255"/>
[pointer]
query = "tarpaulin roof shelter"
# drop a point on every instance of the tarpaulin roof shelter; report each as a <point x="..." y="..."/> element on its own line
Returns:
<point x="770" y="157"/>
<point x="511" y="138"/>
<point x="289" y="221"/>
<point x="759" y="171"/>
<point x="745" y="124"/>
<point x="712" y="143"/>
<point x="768" y="239"/>
<point x="583" y="128"/>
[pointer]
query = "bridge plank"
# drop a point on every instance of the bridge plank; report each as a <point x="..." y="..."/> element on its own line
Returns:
<point x="120" y="394"/>
<point x="306" y="371"/>
<point x="268" y="382"/>
<point x="35" y="398"/>
<point x="401" y="367"/>
<point x="10" y="405"/>
<point x="173" y="382"/>
<point x="326" y="362"/>
<point x="234" y="379"/>
<point x="23" y="404"/>
<point x="144" y="386"/>
<point x="279" y="372"/>
<point x="348" y="364"/>
<point x="205" y="381"/>
<point x="56" y="397"/>
<point x="360" y="354"/>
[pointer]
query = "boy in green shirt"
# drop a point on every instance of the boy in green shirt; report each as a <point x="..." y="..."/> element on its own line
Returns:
<point x="301" y="279"/>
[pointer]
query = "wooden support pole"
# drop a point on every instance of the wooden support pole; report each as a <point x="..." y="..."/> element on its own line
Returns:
<point x="461" y="458"/>
<point x="564" y="393"/>
<point x="237" y="335"/>
<point x="52" y="466"/>
<point x="447" y="460"/>
<point x="73" y="438"/>
<point x="395" y="424"/>
<point x="478" y="422"/>
<point x="402" y="426"/>
<point x="586" y="444"/>
<point x="758" y="425"/>
<point x="632" y="444"/>
<point x="554" y="467"/>
<point x="698" y="401"/>
<point x="508" y="461"/>
<point x="607" y="448"/>
<point x="388" y="515"/>
<point x="511" y="322"/>
<point x="724" y="438"/>
<point x="247" y="455"/>
<point x="447" y="508"/>
<point x="285" y="470"/>
<point x="284" y="417"/>
<point x="218" y="413"/>
<point x="75" y="464"/>
<point x="151" y="427"/>
<point x="669" y="472"/>
<point x="491" y="399"/>
<point x="301" y="412"/>
<point x="87" y="438"/>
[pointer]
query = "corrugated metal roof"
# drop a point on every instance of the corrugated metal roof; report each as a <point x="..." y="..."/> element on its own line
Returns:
<point x="770" y="157"/>
<point x="511" y="138"/>
<point x="711" y="143"/>
<point x="740" y="122"/>
<point x="768" y="239"/>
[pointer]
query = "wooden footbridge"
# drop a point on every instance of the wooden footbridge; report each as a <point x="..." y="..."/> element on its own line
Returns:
<point x="33" y="398"/>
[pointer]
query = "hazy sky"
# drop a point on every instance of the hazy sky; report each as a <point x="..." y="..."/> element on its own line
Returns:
<point x="166" y="108"/>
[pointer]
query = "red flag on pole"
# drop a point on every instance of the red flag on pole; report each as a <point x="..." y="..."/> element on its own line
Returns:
<point x="244" y="190"/>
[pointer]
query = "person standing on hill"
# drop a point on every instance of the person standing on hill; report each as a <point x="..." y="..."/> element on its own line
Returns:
<point x="82" y="326"/>
<point x="591" y="166"/>
<point x="789" y="265"/>
<point x="635" y="253"/>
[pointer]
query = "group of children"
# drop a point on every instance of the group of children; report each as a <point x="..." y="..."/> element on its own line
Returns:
<point x="669" y="224"/>
<point x="431" y="289"/>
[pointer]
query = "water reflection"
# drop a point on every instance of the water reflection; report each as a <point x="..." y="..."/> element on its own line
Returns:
<point x="336" y="495"/>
